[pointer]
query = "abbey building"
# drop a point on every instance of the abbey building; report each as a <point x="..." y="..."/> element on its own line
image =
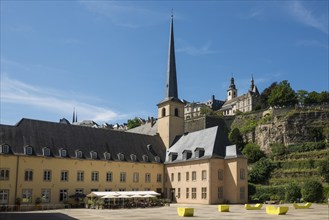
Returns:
<point x="52" y="161"/>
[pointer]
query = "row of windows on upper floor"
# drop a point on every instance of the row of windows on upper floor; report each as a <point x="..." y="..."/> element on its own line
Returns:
<point x="80" y="176"/>
<point x="187" y="154"/>
<point x="220" y="175"/>
<point x="28" y="150"/>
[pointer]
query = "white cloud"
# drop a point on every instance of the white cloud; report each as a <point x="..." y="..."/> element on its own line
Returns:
<point x="17" y="92"/>
<point x="205" y="49"/>
<point x="307" y="17"/>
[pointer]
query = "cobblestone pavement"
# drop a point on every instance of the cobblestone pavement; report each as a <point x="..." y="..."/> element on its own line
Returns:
<point x="316" y="212"/>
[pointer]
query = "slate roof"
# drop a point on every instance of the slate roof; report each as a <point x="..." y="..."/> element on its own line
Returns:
<point x="213" y="140"/>
<point x="40" y="134"/>
<point x="146" y="128"/>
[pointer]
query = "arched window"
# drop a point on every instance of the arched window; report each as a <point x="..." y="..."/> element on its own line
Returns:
<point x="176" y="112"/>
<point x="163" y="112"/>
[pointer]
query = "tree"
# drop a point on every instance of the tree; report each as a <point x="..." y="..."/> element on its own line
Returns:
<point x="132" y="123"/>
<point x="262" y="103"/>
<point x="324" y="169"/>
<point x="253" y="152"/>
<point x="282" y="95"/>
<point x="312" y="191"/>
<point x="312" y="98"/>
<point x="206" y="110"/>
<point x="301" y="96"/>
<point x="236" y="138"/>
<point x="293" y="192"/>
<point x="261" y="171"/>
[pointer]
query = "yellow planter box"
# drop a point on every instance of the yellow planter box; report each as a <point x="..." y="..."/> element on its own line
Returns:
<point x="223" y="208"/>
<point x="258" y="206"/>
<point x="183" y="212"/>
<point x="304" y="206"/>
<point x="281" y="210"/>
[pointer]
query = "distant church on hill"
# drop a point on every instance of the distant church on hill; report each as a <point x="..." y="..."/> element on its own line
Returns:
<point x="53" y="161"/>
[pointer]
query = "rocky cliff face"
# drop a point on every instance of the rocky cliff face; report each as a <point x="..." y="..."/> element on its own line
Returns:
<point x="287" y="126"/>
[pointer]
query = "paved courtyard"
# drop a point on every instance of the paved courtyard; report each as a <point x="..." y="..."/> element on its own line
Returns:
<point x="316" y="212"/>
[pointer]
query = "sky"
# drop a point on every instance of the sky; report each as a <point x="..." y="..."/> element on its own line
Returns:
<point x="107" y="59"/>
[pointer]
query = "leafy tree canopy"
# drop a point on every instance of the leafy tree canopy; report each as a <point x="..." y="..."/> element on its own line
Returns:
<point x="236" y="138"/>
<point x="135" y="122"/>
<point x="253" y="152"/>
<point x="282" y="95"/>
<point x="261" y="171"/>
<point x="312" y="191"/>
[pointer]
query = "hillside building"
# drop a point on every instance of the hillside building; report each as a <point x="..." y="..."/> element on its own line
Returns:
<point x="53" y="161"/>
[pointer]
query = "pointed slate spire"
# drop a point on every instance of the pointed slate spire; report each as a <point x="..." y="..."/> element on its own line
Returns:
<point x="73" y="118"/>
<point x="171" y="86"/>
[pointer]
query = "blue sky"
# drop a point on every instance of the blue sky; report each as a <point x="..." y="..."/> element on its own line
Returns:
<point x="108" y="58"/>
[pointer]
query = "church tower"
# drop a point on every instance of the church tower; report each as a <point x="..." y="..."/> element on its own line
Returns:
<point x="171" y="108"/>
<point x="232" y="92"/>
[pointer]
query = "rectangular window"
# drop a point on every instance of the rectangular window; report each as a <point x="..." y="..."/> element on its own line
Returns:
<point x="4" y="194"/>
<point x="122" y="177"/>
<point x="147" y="177"/>
<point x="220" y="174"/>
<point x="63" y="195"/>
<point x="178" y="193"/>
<point x="178" y="178"/>
<point x="204" y="193"/>
<point x="135" y="177"/>
<point x="26" y="195"/>
<point x="187" y="176"/>
<point x="109" y="176"/>
<point x="65" y="175"/>
<point x="193" y="193"/>
<point x="80" y="176"/>
<point x="28" y="175"/>
<point x="4" y="174"/>
<point x="193" y="175"/>
<point x="242" y="174"/>
<point x="204" y="175"/>
<point x="187" y="193"/>
<point x="242" y="193"/>
<point x="172" y="177"/>
<point x="78" y="191"/>
<point x="159" y="178"/>
<point x="94" y="176"/>
<point x="47" y="175"/>
<point x="45" y="195"/>
<point x="220" y="193"/>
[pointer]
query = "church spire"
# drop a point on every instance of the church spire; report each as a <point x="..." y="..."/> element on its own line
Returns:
<point x="171" y="86"/>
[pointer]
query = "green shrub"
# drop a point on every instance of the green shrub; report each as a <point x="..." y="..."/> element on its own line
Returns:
<point x="306" y="146"/>
<point x="253" y="152"/>
<point x="264" y="193"/>
<point x="277" y="149"/>
<point x="324" y="169"/>
<point x="312" y="191"/>
<point x="293" y="192"/>
<point x="261" y="171"/>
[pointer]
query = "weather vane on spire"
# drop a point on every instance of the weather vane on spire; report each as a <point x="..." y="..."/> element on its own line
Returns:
<point x="172" y="12"/>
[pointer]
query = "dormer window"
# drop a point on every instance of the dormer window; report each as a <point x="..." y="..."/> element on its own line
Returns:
<point x="157" y="159"/>
<point x="46" y="151"/>
<point x="93" y="155"/>
<point x="145" y="158"/>
<point x="62" y="153"/>
<point x="107" y="156"/>
<point x="121" y="156"/>
<point x="28" y="150"/>
<point x="4" y="149"/>
<point x="133" y="157"/>
<point x="172" y="156"/>
<point x="199" y="152"/>
<point x="187" y="154"/>
<point x="78" y="154"/>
